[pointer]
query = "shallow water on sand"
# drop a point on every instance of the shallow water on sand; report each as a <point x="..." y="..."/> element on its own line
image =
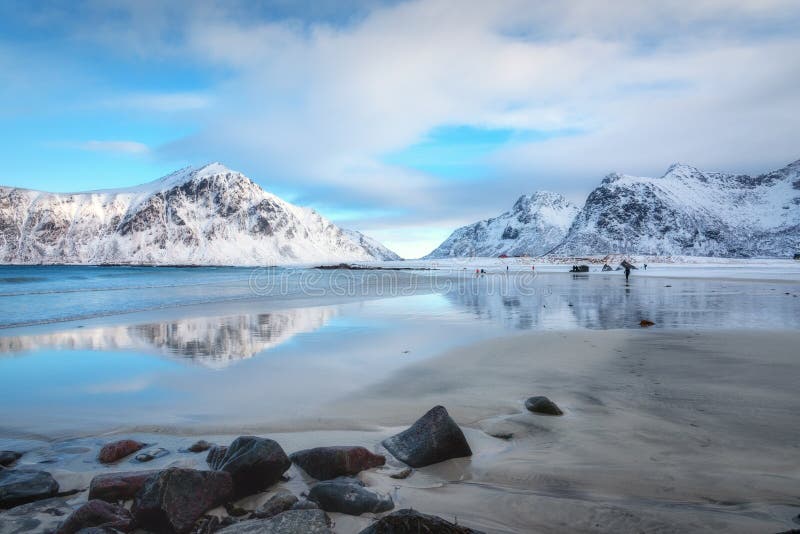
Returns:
<point x="268" y="351"/>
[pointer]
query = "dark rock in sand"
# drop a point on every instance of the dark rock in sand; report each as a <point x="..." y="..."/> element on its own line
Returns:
<point x="113" y="487"/>
<point x="543" y="405"/>
<point x="216" y="454"/>
<point x="402" y="474"/>
<point x="116" y="450"/>
<point x="325" y="463"/>
<point x="434" y="438"/>
<point x="644" y="323"/>
<point x="39" y="516"/>
<point x="97" y="513"/>
<point x="412" y="522"/>
<point x="289" y="522"/>
<point x="280" y="502"/>
<point x="348" y="496"/>
<point x="9" y="457"/>
<point x="174" y="499"/>
<point x="151" y="455"/>
<point x="254" y="463"/>
<point x="21" y="486"/>
<point x="200" y="446"/>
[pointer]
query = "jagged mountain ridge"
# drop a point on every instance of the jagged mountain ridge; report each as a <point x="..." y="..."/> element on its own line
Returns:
<point x="690" y="212"/>
<point x="534" y="225"/>
<point x="205" y="216"/>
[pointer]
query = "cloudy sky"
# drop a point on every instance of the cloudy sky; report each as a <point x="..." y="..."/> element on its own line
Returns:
<point x="401" y="119"/>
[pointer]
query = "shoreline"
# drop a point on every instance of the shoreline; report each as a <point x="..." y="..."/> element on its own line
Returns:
<point x="659" y="431"/>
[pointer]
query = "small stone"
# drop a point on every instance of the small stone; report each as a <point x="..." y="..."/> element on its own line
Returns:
<point x="325" y="463"/>
<point x="433" y="438"/>
<point x="150" y="455"/>
<point x="543" y="405"/>
<point x="9" y="457"/>
<point x="113" y="487"/>
<point x="97" y="513"/>
<point x="644" y="323"/>
<point x="200" y="446"/>
<point x="348" y="496"/>
<point x="116" y="450"/>
<point x="21" y="486"/>
<point x="402" y="474"/>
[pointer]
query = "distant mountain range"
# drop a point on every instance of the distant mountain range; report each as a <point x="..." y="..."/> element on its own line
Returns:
<point x="684" y="212"/>
<point x="215" y="216"/>
<point x="535" y="225"/>
<point x="205" y="216"/>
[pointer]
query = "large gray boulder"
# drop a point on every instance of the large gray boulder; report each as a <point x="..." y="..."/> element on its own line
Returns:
<point x="325" y="463"/>
<point x="289" y="522"/>
<point x="254" y="463"/>
<point x="21" y="486"/>
<point x="174" y="499"/>
<point x="348" y="496"/>
<point x="412" y="522"/>
<point x="433" y="438"/>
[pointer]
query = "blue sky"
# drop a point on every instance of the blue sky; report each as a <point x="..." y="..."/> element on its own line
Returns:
<point x="402" y="119"/>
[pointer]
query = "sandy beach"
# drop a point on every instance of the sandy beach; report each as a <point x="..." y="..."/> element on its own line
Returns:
<point x="688" y="426"/>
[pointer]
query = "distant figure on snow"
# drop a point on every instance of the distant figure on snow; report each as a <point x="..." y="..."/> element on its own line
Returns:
<point x="627" y="273"/>
<point x="645" y="266"/>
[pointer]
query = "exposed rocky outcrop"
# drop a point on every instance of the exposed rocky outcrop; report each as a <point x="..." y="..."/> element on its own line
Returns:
<point x="289" y="522"/>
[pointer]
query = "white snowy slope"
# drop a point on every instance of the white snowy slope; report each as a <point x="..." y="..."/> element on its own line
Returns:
<point x="200" y="216"/>
<point x="376" y="249"/>
<point x="691" y="212"/>
<point x="535" y="225"/>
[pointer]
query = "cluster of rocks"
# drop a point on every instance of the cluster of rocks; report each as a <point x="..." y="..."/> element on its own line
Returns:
<point x="178" y="499"/>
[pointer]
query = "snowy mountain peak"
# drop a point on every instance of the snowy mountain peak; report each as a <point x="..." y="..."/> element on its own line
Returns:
<point x="208" y="215"/>
<point x="691" y="212"/>
<point x="534" y="225"/>
<point x="681" y="170"/>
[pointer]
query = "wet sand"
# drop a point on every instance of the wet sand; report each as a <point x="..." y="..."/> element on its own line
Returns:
<point x="664" y="431"/>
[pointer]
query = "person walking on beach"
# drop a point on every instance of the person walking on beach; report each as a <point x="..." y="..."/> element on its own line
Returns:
<point x="627" y="272"/>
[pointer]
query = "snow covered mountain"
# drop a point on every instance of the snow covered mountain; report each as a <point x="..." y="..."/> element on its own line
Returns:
<point x="690" y="212"/>
<point x="204" y="216"/>
<point x="535" y="224"/>
<point x="375" y="248"/>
